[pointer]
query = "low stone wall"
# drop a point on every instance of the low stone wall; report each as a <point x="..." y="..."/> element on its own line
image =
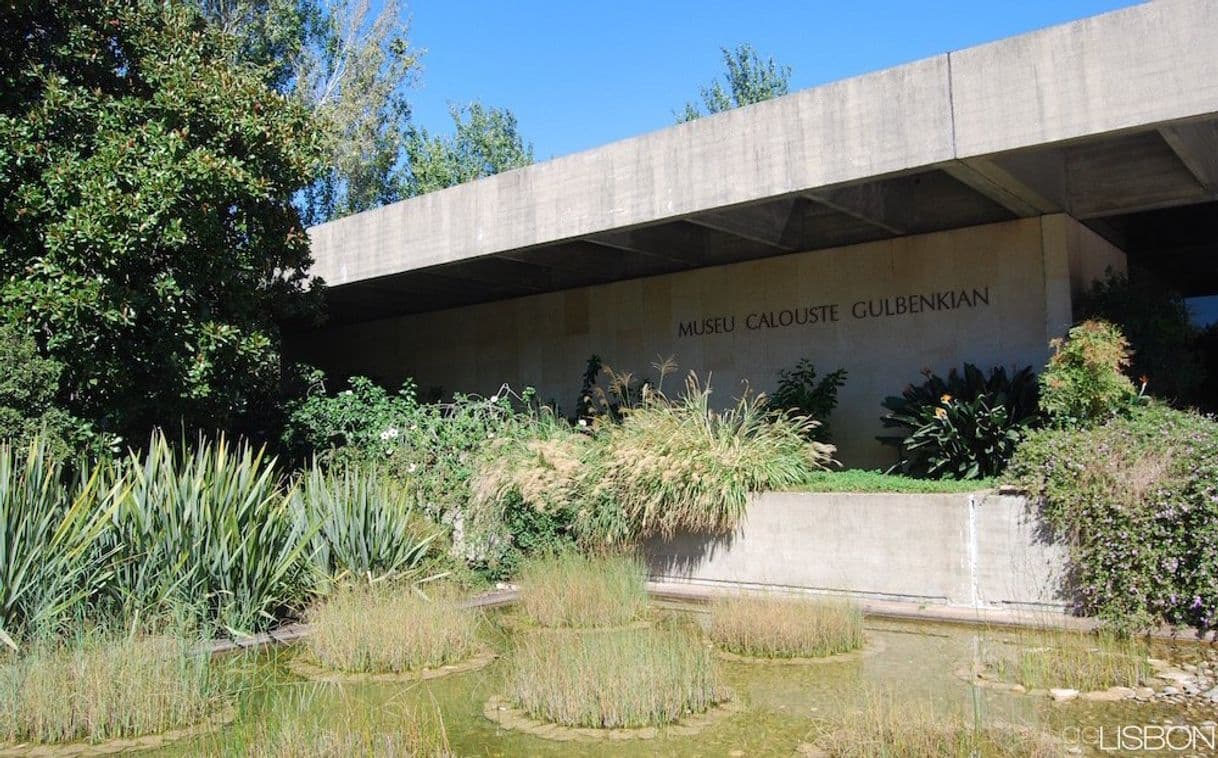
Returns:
<point x="978" y="550"/>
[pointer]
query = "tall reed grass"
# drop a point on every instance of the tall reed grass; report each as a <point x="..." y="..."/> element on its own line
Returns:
<point x="573" y="590"/>
<point x="781" y="627"/>
<point x="633" y="678"/>
<point x="1045" y="660"/>
<point x="885" y="729"/>
<point x="99" y="688"/>
<point x="387" y="629"/>
<point x="307" y="722"/>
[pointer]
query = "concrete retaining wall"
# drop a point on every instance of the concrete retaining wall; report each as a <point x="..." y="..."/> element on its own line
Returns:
<point x="979" y="550"/>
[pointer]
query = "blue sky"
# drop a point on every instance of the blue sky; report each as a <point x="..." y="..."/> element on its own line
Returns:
<point x="580" y="74"/>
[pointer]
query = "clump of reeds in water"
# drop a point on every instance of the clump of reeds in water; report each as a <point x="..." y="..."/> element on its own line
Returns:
<point x="613" y="679"/>
<point x="391" y="629"/>
<point x="308" y="722"/>
<point x="1085" y="662"/>
<point x="769" y="626"/>
<point x="884" y="729"/>
<point x="572" y="590"/>
<point x="99" y="688"/>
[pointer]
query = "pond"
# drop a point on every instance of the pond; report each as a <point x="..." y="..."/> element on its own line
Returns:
<point x="785" y="706"/>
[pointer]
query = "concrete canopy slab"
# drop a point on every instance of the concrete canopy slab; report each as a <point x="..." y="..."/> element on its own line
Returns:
<point x="1107" y="119"/>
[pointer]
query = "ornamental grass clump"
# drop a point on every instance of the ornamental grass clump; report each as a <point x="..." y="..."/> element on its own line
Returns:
<point x="882" y="728"/>
<point x="97" y="688"/>
<point x="780" y="627"/>
<point x="362" y="629"/>
<point x="573" y="590"/>
<point x="613" y="679"/>
<point x="679" y="465"/>
<point x="1081" y="662"/>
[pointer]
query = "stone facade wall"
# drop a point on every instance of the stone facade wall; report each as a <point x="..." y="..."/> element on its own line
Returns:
<point x="990" y="295"/>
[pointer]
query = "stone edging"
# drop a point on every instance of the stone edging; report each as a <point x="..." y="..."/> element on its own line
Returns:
<point x="501" y="711"/>
<point x="122" y="744"/>
<point x="873" y="646"/>
<point x="317" y="673"/>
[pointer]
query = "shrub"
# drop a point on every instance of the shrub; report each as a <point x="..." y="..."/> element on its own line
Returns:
<point x="212" y="529"/>
<point x="677" y="465"/>
<point x="634" y="678"/>
<point x="368" y="525"/>
<point x="1082" y="662"/>
<point x="778" y="627"/>
<point x="802" y="394"/>
<point x="1136" y="500"/>
<point x="28" y="386"/>
<point x="572" y="590"/>
<point x="966" y="426"/>
<point x="883" y="728"/>
<point x="1084" y="382"/>
<point x="1155" y="320"/>
<point x="100" y="689"/>
<point x="390" y="629"/>
<point x="49" y="528"/>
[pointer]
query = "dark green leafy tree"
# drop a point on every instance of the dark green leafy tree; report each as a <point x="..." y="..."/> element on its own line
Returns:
<point x="747" y="79"/>
<point x="148" y="240"/>
<point x="485" y="141"/>
<point x="801" y="392"/>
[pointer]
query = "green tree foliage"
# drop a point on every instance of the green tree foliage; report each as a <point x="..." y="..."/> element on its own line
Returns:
<point x="747" y="80"/>
<point x="351" y="67"/>
<point x="29" y="384"/>
<point x="1162" y="340"/>
<point x="801" y="392"/>
<point x="485" y="141"/>
<point x="148" y="238"/>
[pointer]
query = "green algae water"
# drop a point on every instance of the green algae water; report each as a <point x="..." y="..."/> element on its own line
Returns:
<point x="784" y="706"/>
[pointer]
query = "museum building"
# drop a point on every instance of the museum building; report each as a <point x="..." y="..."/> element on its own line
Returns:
<point x="945" y="211"/>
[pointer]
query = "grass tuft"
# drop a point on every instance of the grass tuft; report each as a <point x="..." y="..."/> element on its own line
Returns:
<point x="613" y="679"/>
<point x="1082" y="662"/>
<point x="573" y="590"/>
<point x="885" y="730"/>
<point x="780" y="627"/>
<point x="363" y="629"/>
<point x="304" y="723"/>
<point x="100" y="689"/>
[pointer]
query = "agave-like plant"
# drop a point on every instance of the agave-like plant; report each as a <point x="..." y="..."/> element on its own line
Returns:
<point x="213" y="530"/>
<point x="50" y="562"/>
<point x="367" y="524"/>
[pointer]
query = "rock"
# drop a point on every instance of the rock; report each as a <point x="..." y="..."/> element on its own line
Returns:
<point x="1125" y="692"/>
<point x="1062" y="695"/>
<point x="1158" y="663"/>
<point x="1018" y="688"/>
<point x="1103" y="696"/>
<point x="1212" y="694"/>
<point x="1174" y="675"/>
<point x="1145" y="692"/>
<point x="1169" y="692"/>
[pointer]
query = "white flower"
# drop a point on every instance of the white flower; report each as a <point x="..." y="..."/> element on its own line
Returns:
<point x="346" y="392"/>
<point x="494" y="398"/>
<point x="583" y="422"/>
<point x="413" y="466"/>
<point x="490" y="435"/>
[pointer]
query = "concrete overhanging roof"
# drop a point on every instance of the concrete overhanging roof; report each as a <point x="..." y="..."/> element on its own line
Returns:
<point x="1112" y="119"/>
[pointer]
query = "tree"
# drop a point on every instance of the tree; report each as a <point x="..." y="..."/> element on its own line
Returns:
<point x="148" y="240"/>
<point x="749" y="80"/>
<point x="485" y="141"/>
<point x="352" y="68"/>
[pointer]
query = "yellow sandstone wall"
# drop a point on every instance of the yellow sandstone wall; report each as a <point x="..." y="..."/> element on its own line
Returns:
<point x="990" y="295"/>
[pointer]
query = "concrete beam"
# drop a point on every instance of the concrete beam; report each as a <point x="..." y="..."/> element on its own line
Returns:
<point x="767" y="223"/>
<point x="1001" y="186"/>
<point x="869" y="203"/>
<point x="1196" y="144"/>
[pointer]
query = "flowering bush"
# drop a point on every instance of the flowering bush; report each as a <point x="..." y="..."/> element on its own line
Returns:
<point x="966" y="426"/>
<point x="1137" y="501"/>
<point x="1084" y="382"/>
